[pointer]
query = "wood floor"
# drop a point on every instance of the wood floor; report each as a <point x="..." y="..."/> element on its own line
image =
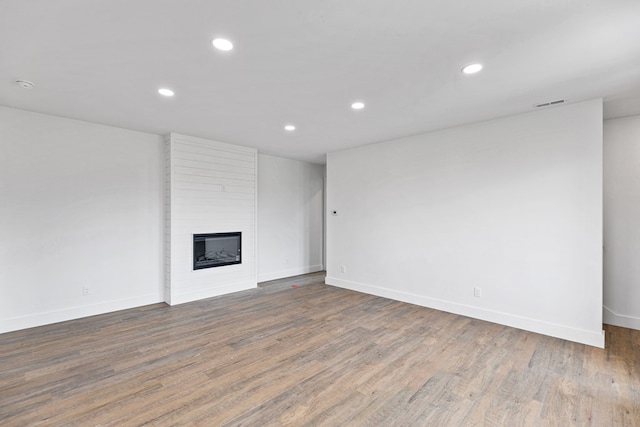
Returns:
<point x="310" y="355"/>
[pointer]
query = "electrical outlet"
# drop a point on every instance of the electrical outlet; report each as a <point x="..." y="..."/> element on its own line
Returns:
<point x="477" y="292"/>
<point x="85" y="290"/>
<point x="343" y="269"/>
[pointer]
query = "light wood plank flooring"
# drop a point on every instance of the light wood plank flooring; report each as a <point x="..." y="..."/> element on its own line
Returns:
<point x="310" y="355"/>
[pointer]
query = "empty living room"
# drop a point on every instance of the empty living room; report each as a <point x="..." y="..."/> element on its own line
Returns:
<point x="304" y="213"/>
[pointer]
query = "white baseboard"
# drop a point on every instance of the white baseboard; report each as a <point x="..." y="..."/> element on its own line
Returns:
<point x="47" y="318"/>
<point x="210" y="292"/>
<point x="610" y="317"/>
<point x="265" y="277"/>
<point x="593" y="338"/>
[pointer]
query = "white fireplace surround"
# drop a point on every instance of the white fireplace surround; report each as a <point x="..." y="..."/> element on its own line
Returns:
<point x="211" y="187"/>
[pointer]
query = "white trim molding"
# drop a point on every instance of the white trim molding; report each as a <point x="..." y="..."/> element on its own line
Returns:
<point x="610" y="317"/>
<point x="595" y="339"/>
<point x="280" y="274"/>
<point x="57" y="316"/>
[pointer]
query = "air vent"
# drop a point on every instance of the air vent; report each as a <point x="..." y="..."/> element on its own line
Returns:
<point x="25" y="84"/>
<point x="548" y="104"/>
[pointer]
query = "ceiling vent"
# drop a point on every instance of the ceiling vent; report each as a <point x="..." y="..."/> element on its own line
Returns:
<point x="550" y="103"/>
<point x="25" y="84"/>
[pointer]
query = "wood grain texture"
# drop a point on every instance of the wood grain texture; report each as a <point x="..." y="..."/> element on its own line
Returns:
<point x="310" y="355"/>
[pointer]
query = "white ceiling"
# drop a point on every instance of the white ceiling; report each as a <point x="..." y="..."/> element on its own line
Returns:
<point x="305" y="61"/>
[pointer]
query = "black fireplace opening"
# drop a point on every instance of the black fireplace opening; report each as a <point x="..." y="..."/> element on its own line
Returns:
<point x="216" y="249"/>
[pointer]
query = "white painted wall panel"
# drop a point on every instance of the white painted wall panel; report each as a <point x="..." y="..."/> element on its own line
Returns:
<point x="512" y="206"/>
<point x="212" y="190"/>
<point x="80" y="206"/>
<point x="290" y="217"/>
<point x="622" y="222"/>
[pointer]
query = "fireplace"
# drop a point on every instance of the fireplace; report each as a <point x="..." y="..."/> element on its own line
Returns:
<point x="216" y="249"/>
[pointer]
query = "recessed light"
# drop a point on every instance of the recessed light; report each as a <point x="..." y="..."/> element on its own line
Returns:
<point x="165" y="92"/>
<point x="25" y="84"/>
<point x="289" y="128"/>
<point x="357" y="105"/>
<point x="471" y="68"/>
<point x="222" y="44"/>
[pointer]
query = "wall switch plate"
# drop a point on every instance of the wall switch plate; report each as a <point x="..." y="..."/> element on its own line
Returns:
<point x="477" y="292"/>
<point x="343" y="269"/>
<point x="85" y="290"/>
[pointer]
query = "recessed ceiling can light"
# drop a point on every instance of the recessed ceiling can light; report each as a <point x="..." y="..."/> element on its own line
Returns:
<point x="222" y="44"/>
<point x="289" y="128"/>
<point x="471" y="68"/>
<point x="165" y="92"/>
<point x="357" y="105"/>
<point x="25" y="84"/>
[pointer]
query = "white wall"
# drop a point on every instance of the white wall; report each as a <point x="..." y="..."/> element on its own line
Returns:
<point x="290" y="217"/>
<point x="80" y="205"/>
<point x="512" y="206"/>
<point x="622" y="222"/>
<point x="211" y="188"/>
